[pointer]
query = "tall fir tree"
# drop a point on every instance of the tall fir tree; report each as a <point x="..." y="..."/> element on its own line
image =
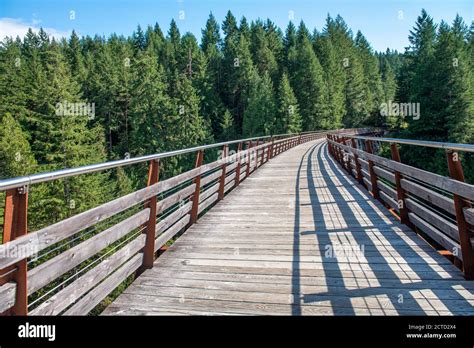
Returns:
<point x="288" y="118"/>
<point x="307" y="72"/>
<point x="334" y="78"/>
<point x="259" y="116"/>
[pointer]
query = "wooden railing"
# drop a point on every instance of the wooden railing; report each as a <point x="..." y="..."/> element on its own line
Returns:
<point x="438" y="206"/>
<point x="80" y="275"/>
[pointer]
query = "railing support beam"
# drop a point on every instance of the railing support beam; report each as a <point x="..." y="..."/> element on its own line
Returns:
<point x="197" y="190"/>
<point x="222" y="179"/>
<point x="237" y="169"/>
<point x="373" y="176"/>
<point x="465" y="234"/>
<point x="357" y="163"/>
<point x="401" y="195"/>
<point x="15" y="224"/>
<point x="149" y="249"/>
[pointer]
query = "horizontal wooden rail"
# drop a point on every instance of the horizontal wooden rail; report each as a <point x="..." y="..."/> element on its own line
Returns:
<point x="115" y="240"/>
<point x="436" y="205"/>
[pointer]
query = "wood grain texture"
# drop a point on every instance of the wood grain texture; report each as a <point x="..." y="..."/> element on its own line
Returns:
<point x="79" y="287"/>
<point x="60" y="264"/>
<point x="87" y="303"/>
<point x="7" y="296"/>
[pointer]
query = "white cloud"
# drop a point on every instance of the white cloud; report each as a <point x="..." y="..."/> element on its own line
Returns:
<point x="13" y="27"/>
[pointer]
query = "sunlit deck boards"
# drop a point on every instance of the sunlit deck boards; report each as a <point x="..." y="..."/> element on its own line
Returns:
<point x="266" y="249"/>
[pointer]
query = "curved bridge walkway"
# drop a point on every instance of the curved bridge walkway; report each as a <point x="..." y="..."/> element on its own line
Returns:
<point x="299" y="237"/>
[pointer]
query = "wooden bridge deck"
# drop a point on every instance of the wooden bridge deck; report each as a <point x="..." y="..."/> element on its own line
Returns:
<point x="266" y="250"/>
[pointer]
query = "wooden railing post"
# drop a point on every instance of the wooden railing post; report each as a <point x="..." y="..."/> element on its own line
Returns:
<point x="149" y="249"/>
<point x="237" y="169"/>
<point x="328" y="138"/>
<point x="15" y="224"/>
<point x="223" y="167"/>
<point x="247" y="169"/>
<point x="339" y="151"/>
<point x="401" y="195"/>
<point x="373" y="176"/>
<point x="256" y="155"/>
<point x="263" y="153"/>
<point x="271" y="147"/>
<point x="268" y="152"/>
<point x="465" y="235"/>
<point x="347" y="157"/>
<point x="197" y="190"/>
<point x="357" y="163"/>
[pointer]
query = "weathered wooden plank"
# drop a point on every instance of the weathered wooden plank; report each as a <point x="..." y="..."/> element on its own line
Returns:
<point x="269" y="246"/>
<point x="288" y="288"/>
<point x="434" y="219"/>
<point x="364" y="164"/>
<point x="205" y="204"/>
<point x="44" y="238"/>
<point x="367" y="181"/>
<point x="151" y="305"/>
<point x="171" y="232"/>
<point x="182" y="194"/>
<point x="229" y="178"/>
<point x="169" y="220"/>
<point x="431" y="196"/>
<point x="229" y="186"/>
<point x="7" y="296"/>
<point x="354" y="257"/>
<point x="347" y="280"/>
<point x="394" y="268"/>
<point x="392" y="193"/>
<point x="361" y="301"/>
<point x="214" y="176"/>
<point x="208" y="192"/>
<point x="231" y="167"/>
<point x="60" y="264"/>
<point x="384" y="174"/>
<point x="68" y="295"/>
<point x="363" y="277"/>
<point x="469" y="215"/>
<point x="368" y="251"/>
<point x="436" y="234"/>
<point x="96" y="295"/>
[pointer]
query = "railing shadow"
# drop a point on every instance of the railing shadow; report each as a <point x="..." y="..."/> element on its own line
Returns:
<point x="384" y="279"/>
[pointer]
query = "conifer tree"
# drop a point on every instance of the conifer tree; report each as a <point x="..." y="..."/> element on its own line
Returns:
<point x="334" y="78"/>
<point x="227" y="127"/>
<point x="308" y="73"/>
<point x="288" y="118"/>
<point x="16" y="158"/>
<point x="149" y="106"/>
<point x="64" y="139"/>
<point x="259" y="115"/>
<point x="420" y="86"/>
<point x="263" y="57"/>
<point x="455" y="92"/>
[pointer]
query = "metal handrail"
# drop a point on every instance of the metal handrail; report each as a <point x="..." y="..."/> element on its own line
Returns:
<point x="433" y="144"/>
<point x="27" y="180"/>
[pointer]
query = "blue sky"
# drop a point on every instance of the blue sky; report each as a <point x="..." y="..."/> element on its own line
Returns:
<point x="385" y="23"/>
